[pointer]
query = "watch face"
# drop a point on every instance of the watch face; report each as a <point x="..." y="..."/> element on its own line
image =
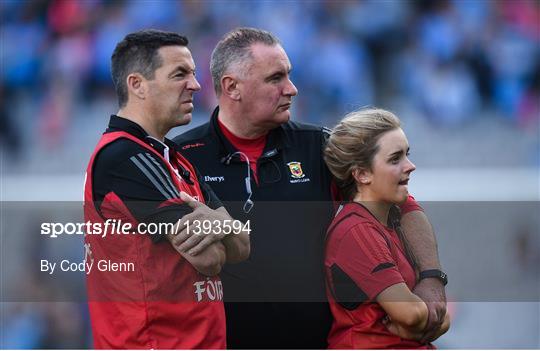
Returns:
<point x="444" y="278"/>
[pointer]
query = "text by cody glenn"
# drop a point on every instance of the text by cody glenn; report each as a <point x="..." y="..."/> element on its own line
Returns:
<point x="85" y="266"/>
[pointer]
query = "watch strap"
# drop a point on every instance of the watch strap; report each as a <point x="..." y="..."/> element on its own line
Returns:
<point x="434" y="273"/>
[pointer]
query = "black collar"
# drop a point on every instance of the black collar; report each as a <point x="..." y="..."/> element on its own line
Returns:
<point x="276" y="140"/>
<point x="121" y="124"/>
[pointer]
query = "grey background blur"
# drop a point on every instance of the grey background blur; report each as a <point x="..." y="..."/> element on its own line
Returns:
<point x="463" y="75"/>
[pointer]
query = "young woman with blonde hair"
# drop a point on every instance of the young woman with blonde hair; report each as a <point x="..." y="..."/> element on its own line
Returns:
<point x="370" y="271"/>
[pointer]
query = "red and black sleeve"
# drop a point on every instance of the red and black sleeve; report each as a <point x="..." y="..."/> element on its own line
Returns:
<point x="140" y="179"/>
<point x="364" y="256"/>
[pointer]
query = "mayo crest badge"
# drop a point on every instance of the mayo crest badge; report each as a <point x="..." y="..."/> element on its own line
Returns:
<point x="296" y="169"/>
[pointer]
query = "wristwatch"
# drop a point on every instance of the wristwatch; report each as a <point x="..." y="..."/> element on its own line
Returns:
<point x="434" y="273"/>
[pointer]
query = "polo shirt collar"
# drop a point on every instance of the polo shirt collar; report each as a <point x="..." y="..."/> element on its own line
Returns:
<point x="120" y="124"/>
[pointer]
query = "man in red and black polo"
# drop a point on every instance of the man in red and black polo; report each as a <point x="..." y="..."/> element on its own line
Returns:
<point x="173" y="296"/>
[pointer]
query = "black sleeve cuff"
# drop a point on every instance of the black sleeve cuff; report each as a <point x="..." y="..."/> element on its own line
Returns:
<point x="169" y="214"/>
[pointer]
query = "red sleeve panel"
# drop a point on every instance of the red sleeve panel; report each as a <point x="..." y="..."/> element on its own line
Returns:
<point x="410" y="205"/>
<point x="364" y="255"/>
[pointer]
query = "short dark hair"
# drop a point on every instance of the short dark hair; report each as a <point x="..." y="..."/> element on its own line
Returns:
<point x="138" y="52"/>
<point x="234" y="49"/>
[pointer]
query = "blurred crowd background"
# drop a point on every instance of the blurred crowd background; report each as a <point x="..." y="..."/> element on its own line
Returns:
<point x="447" y="65"/>
<point x="464" y="76"/>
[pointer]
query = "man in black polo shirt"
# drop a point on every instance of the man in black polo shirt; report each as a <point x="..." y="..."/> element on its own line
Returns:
<point x="273" y="172"/>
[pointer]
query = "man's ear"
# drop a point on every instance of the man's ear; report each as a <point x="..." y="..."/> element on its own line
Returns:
<point x="229" y="87"/>
<point x="362" y="176"/>
<point x="136" y="85"/>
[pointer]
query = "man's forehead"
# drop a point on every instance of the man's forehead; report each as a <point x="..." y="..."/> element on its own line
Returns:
<point x="270" y="56"/>
<point x="174" y="55"/>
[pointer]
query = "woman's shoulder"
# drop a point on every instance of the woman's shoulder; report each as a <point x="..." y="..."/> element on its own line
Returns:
<point x="353" y="216"/>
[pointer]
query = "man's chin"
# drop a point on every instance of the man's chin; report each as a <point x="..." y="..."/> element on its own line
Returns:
<point x="284" y="117"/>
<point x="184" y="119"/>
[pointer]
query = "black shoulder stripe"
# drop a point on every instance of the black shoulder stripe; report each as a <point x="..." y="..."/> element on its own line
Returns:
<point x="144" y="169"/>
<point x="147" y="159"/>
<point x="165" y="174"/>
<point x="382" y="266"/>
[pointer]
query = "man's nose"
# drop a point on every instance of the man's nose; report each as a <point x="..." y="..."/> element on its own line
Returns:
<point x="290" y="89"/>
<point x="194" y="85"/>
